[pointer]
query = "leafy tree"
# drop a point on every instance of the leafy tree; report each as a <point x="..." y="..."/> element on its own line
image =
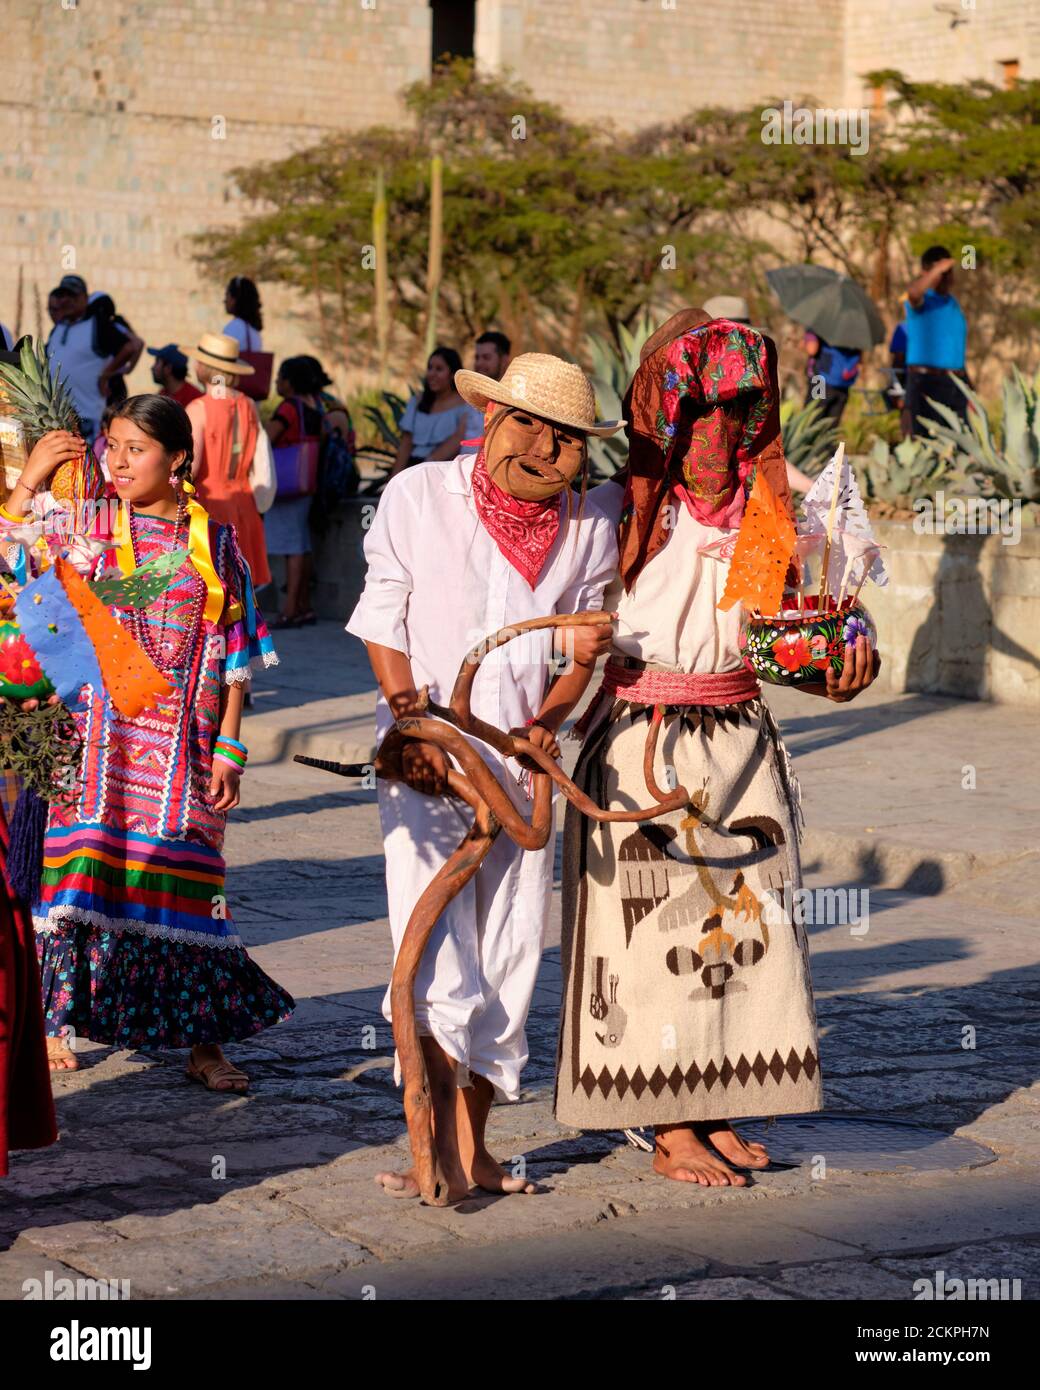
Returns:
<point x="552" y="227"/>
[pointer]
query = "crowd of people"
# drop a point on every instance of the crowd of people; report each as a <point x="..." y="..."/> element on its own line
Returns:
<point x="238" y="471"/>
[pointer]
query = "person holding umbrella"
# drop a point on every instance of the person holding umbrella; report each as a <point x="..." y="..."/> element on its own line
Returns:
<point x="831" y="372"/>
<point x="833" y="310"/>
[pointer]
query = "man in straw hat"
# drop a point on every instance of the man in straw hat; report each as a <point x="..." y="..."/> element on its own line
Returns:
<point x="458" y="550"/>
<point x="686" y="1002"/>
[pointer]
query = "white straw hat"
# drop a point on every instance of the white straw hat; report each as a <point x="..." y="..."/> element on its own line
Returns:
<point x="546" y="386"/>
<point x="728" y="306"/>
<point x="220" y="351"/>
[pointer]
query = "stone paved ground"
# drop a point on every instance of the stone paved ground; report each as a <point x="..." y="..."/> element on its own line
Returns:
<point x="186" y="1194"/>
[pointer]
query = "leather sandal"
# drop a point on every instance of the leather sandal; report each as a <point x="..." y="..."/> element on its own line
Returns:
<point x="208" y="1073"/>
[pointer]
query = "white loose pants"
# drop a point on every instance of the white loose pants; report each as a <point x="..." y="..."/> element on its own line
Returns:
<point x="479" y="968"/>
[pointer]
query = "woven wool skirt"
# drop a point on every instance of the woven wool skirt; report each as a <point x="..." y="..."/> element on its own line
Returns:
<point x="687" y="992"/>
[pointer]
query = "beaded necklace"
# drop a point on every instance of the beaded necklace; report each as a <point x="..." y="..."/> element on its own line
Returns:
<point x="139" y="624"/>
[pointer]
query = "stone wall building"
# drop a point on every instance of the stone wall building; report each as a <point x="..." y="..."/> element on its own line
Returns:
<point x="122" y="120"/>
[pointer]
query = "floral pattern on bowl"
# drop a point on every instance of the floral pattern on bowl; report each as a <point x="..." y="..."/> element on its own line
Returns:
<point x="796" y="648"/>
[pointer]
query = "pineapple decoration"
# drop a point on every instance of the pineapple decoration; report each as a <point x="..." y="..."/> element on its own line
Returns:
<point x="41" y="401"/>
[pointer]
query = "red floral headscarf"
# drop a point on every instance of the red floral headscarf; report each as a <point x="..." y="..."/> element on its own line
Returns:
<point x="704" y="413"/>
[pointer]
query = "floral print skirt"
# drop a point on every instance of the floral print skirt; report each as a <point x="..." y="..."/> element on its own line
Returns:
<point x="131" y="990"/>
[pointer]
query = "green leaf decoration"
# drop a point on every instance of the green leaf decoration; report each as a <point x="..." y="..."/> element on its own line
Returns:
<point x="144" y="585"/>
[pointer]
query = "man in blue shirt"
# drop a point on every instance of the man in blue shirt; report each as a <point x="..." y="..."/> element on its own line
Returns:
<point x="936" y="336"/>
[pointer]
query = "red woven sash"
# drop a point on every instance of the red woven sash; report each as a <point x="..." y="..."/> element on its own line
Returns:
<point x="649" y="687"/>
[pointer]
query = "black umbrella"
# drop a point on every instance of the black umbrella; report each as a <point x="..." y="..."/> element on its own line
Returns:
<point x="830" y="305"/>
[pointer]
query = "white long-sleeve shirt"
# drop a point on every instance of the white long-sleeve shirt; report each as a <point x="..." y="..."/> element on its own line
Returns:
<point x="437" y="583"/>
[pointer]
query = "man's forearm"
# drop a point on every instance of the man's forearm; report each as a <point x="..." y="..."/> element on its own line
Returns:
<point x="564" y="693"/>
<point x="927" y="280"/>
<point x="393" y="671"/>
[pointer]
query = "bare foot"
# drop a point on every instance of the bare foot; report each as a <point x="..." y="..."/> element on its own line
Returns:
<point x="741" y="1152"/>
<point x="680" y="1155"/>
<point x="398" y="1184"/>
<point x="482" y="1170"/>
<point x="59" y="1057"/>
<point x="450" y="1175"/>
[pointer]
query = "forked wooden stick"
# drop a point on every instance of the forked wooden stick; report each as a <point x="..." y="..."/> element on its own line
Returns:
<point x="494" y="812"/>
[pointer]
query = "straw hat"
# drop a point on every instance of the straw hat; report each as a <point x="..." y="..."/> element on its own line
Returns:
<point x="219" y="351"/>
<point x="728" y="306"/>
<point x="546" y="386"/>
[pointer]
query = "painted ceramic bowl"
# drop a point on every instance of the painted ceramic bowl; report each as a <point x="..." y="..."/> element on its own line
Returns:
<point x="796" y="647"/>
<point x="21" y="675"/>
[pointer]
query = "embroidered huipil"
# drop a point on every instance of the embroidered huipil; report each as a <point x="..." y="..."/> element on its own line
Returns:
<point x="136" y="944"/>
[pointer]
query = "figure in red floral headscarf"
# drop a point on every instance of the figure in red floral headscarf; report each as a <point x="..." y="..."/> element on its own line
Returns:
<point x="687" y="996"/>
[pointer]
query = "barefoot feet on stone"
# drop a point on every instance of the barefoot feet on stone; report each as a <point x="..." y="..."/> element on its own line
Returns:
<point x="59" y="1056"/>
<point x="680" y="1155"/>
<point x="398" y="1184"/>
<point x="743" y="1153"/>
<point x="484" y="1172"/>
<point x="407" y="1185"/>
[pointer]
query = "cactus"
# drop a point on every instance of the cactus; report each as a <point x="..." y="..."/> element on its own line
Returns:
<point x="809" y="436"/>
<point x="1000" y="462"/>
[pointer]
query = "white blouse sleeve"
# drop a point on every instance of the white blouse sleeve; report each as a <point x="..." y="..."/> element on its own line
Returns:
<point x="383" y="606"/>
<point x="601" y="562"/>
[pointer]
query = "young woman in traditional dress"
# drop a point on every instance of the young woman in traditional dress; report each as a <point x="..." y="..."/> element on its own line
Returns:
<point x="687" y="998"/>
<point x="135" y="944"/>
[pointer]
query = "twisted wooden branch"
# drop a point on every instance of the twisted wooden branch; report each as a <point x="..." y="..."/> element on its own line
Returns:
<point x="450" y="729"/>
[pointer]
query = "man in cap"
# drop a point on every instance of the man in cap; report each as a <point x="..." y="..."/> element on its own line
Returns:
<point x="170" y="374"/>
<point x="88" y="347"/>
<point x="458" y="550"/>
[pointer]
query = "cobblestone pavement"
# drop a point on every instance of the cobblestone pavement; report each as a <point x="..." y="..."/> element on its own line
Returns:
<point x="929" y="1016"/>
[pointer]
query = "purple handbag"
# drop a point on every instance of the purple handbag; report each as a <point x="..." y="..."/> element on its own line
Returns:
<point x="296" y="469"/>
<point x="296" y="465"/>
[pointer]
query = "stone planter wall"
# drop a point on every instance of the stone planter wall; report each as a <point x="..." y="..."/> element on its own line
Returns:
<point x="961" y="615"/>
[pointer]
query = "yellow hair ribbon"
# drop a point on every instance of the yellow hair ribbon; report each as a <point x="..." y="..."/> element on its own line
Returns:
<point x="121" y="541"/>
<point x="198" y="552"/>
<point x="202" y="560"/>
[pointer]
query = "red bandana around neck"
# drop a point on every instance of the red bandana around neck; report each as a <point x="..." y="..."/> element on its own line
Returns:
<point x="523" y="531"/>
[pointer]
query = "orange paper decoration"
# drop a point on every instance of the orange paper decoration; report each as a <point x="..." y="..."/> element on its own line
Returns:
<point x="765" y="544"/>
<point x="132" y="682"/>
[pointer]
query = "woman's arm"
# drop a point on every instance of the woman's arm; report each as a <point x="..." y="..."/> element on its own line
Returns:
<point x="197" y="416"/>
<point x="449" y="448"/>
<point x="55" y="448"/>
<point x="225" y="779"/>
<point x="404" y="453"/>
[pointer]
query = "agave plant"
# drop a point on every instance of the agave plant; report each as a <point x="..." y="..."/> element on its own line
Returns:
<point x="613" y="365"/>
<point x="898" y="476"/>
<point x="809" y="436"/>
<point x="1002" y="462"/>
<point x="386" y="420"/>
